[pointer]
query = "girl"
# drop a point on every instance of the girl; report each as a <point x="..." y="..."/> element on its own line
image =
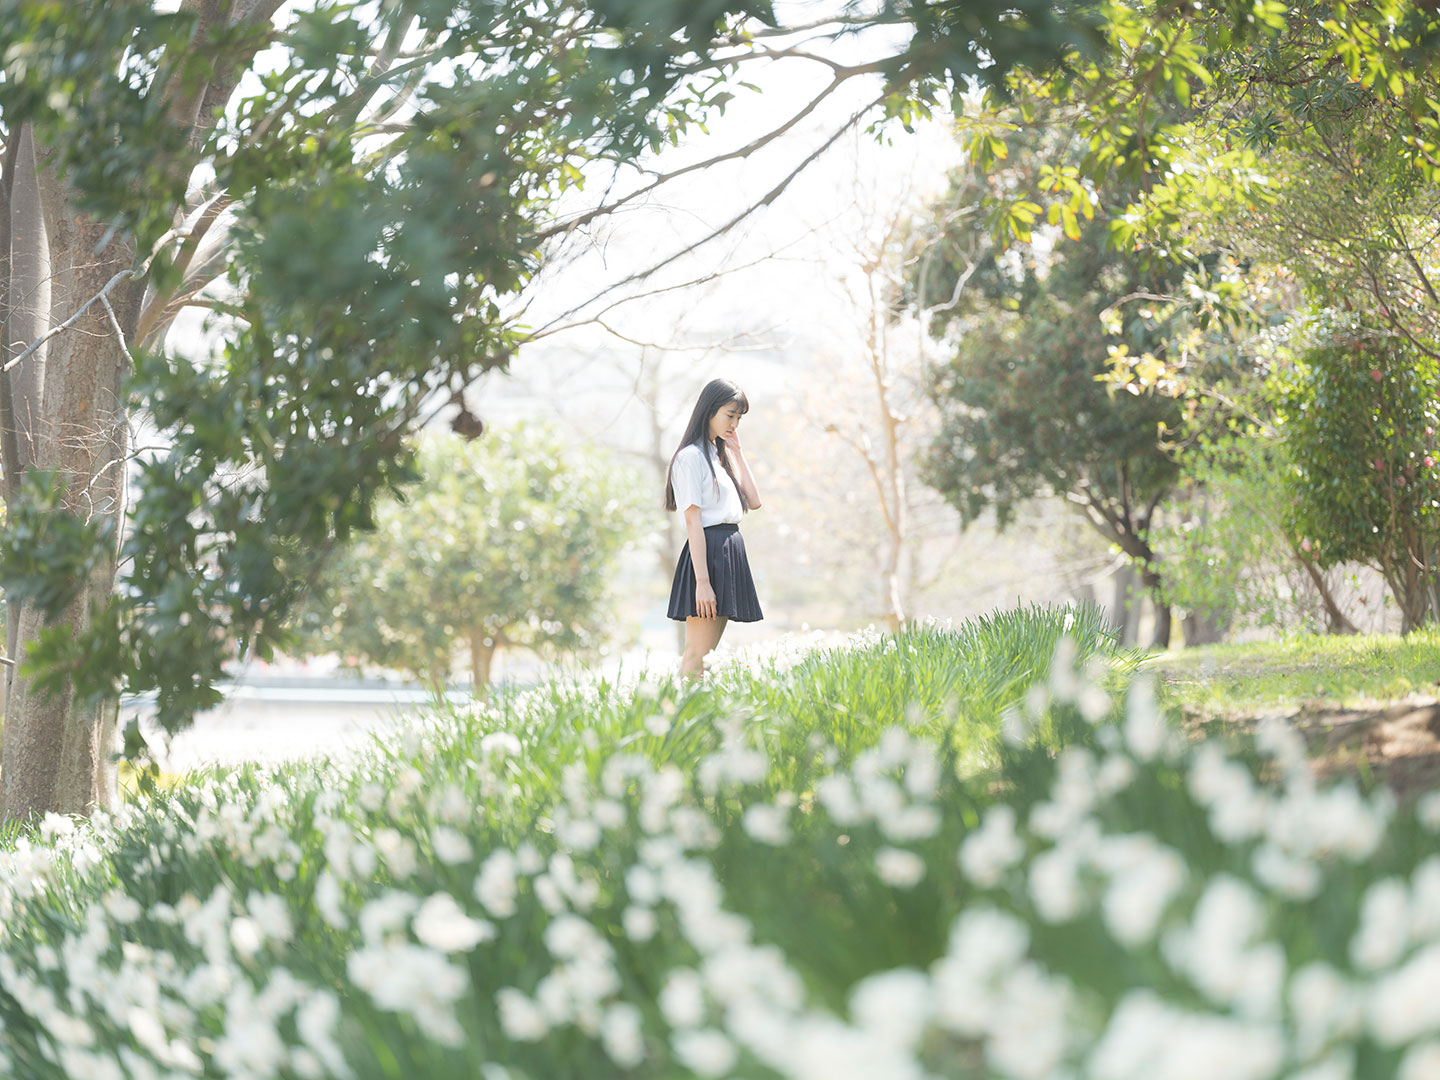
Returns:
<point x="710" y="483"/>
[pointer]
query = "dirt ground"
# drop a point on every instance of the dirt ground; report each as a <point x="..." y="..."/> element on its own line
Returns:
<point x="1393" y="742"/>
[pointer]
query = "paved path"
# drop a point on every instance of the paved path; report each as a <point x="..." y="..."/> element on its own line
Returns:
<point x="269" y="718"/>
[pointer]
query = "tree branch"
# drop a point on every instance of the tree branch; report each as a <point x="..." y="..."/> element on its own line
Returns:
<point x="874" y="467"/>
<point x="665" y="178"/>
<point x="131" y="274"/>
<point x="770" y="196"/>
<point x="198" y="229"/>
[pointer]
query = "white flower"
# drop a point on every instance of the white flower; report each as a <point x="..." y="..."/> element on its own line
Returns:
<point x="638" y="923"/>
<point x="609" y="814"/>
<point x="704" y="1051"/>
<point x="496" y="886"/>
<point x="1289" y="875"/>
<point x="315" y="1022"/>
<point x="1145" y="879"/>
<point x="579" y="834"/>
<point x="1403" y="1004"/>
<point x="983" y="945"/>
<point x="898" y="868"/>
<point x="121" y="907"/>
<point x="1146" y="733"/>
<point x="1338" y="1066"/>
<point x="450" y="846"/>
<point x="1055" y="884"/>
<point x="1217" y="953"/>
<point x="1323" y="1007"/>
<point x="500" y="744"/>
<point x="622" y="1035"/>
<point x="55" y="825"/>
<point x="1029" y="1024"/>
<point x="1427" y="810"/>
<point x="271" y="915"/>
<point x="911" y="823"/>
<point x="893" y="1006"/>
<point x="570" y="937"/>
<point x="836" y="793"/>
<point x="1279" y="741"/>
<point x="412" y="979"/>
<point x="399" y="852"/>
<point x="528" y="859"/>
<point x="329" y="900"/>
<point x="245" y="937"/>
<point x="1384" y="928"/>
<point x="386" y="914"/>
<point x="1425" y="901"/>
<point x="1421" y="1062"/>
<point x="1147" y="1039"/>
<point x="441" y="924"/>
<point x="992" y="849"/>
<point x="682" y="999"/>
<point x="520" y="1016"/>
<point x="766" y="824"/>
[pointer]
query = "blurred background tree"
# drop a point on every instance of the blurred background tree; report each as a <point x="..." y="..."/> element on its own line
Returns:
<point x="1025" y="411"/>
<point x="507" y="541"/>
<point x="1361" y="413"/>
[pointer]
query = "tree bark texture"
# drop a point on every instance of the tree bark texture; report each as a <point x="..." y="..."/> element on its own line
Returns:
<point x="66" y="414"/>
<point x="61" y="408"/>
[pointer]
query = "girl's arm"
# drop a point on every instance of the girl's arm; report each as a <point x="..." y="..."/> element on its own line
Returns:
<point x="704" y="591"/>
<point x="742" y="471"/>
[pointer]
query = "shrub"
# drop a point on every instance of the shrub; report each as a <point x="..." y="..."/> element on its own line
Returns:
<point x="1363" y="409"/>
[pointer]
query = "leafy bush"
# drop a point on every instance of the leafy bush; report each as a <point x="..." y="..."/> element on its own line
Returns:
<point x="509" y="539"/>
<point x="1363" y="412"/>
<point x="629" y="884"/>
<point x="1228" y="557"/>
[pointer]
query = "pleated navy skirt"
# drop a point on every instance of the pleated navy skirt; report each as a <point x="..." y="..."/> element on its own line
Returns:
<point x="729" y="576"/>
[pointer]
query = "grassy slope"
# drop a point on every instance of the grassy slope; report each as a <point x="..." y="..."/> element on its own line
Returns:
<point x="1301" y="670"/>
<point x="1110" y="815"/>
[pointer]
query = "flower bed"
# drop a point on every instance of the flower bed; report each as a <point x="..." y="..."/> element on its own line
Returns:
<point x="829" y="871"/>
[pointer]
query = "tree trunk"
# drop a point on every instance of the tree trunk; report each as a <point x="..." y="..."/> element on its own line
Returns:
<point x="1204" y="630"/>
<point x="482" y="656"/>
<point x="1150" y="579"/>
<point x="68" y="416"/>
<point x="1336" y="621"/>
<point x="1124" y="610"/>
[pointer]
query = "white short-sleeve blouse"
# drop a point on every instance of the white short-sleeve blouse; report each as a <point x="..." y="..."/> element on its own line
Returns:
<point x="716" y="496"/>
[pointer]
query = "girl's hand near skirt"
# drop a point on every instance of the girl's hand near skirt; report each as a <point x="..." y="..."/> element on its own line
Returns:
<point x="704" y="600"/>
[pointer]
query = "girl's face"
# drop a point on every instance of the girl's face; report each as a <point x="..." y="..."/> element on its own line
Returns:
<point x="724" y="422"/>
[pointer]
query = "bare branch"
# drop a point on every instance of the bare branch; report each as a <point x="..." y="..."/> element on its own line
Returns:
<point x="733" y="155"/>
<point x="552" y="329"/>
<point x="115" y="326"/>
<point x="770" y="196"/>
<point x="873" y="466"/>
<point x="198" y="229"/>
<point x="134" y="273"/>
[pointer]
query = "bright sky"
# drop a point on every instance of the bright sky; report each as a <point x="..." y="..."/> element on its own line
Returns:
<point x="783" y="273"/>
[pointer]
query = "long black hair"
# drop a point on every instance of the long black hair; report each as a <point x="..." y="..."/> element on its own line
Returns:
<point x="717" y="394"/>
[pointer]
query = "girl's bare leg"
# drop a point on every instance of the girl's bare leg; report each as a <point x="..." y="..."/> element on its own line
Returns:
<point x="701" y="635"/>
